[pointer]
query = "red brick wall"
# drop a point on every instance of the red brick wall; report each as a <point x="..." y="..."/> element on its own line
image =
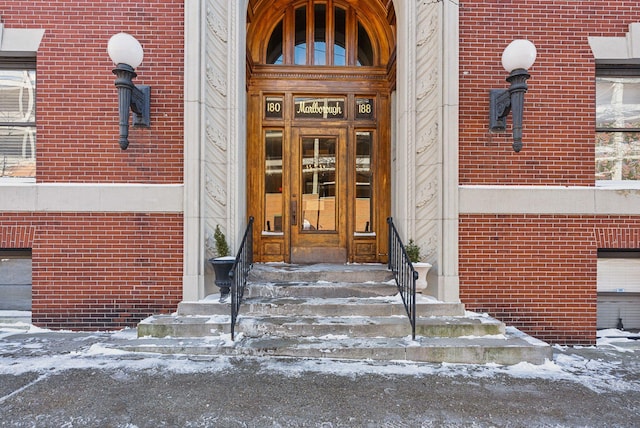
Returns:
<point x="538" y="272"/>
<point x="99" y="270"/>
<point x="102" y="270"/>
<point x="559" y="116"/>
<point x="77" y="109"/>
<point x="15" y="235"/>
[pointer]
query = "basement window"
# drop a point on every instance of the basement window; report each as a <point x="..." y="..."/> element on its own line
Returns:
<point x="15" y="279"/>
<point x="619" y="289"/>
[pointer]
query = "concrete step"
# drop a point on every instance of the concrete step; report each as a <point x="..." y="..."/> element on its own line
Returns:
<point x="314" y="326"/>
<point x="184" y="326"/>
<point x="367" y="326"/>
<point x="335" y="311"/>
<point x="321" y="289"/>
<point x="511" y="347"/>
<point x="281" y="306"/>
<point x="354" y="273"/>
<point x="14" y="318"/>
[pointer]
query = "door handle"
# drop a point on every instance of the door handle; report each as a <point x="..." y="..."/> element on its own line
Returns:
<point x="294" y="213"/>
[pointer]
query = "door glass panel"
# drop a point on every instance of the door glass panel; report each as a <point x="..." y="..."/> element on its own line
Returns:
<point x="301" y="36"/>
<point x="364" y="180"/>
<point x="320" y="35"/>
<point x="340" y="37"/>
<point x="318" y="184"/>
<point x="273" y="181"/>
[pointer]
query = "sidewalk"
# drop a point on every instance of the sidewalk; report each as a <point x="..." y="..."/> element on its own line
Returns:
<point x="55" y="379"/>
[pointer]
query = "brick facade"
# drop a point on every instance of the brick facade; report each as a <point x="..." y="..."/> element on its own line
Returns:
<point x="111" y="269"/>
<point x="559" y="114"/>
<point x="77" y="109"/>
<point x="536" y="272"/>
<point x="97" y="270"/>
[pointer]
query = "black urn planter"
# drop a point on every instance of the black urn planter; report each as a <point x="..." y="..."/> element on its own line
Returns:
<point x="221" y="268"/>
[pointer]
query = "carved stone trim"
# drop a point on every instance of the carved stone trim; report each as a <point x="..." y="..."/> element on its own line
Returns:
<point x="617" y="49"/>
<point x="427" y="31"/>
<point x="428" y="140"/>
<point x="216" y="81"/>
<point x="427" y="194"/>
<point x="216" y="191"/>
<point x="216" y="25"/>
<point x="217" y="137"/>
<point x="428" y="85"/>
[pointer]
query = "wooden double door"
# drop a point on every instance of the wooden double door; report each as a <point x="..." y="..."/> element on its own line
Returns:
<point x="318" y="177"/>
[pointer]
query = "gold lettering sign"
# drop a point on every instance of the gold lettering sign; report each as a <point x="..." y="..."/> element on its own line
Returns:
<point x="273" y="107"/>
<point x="365" y="108"/>
<point x="319" y="108"/>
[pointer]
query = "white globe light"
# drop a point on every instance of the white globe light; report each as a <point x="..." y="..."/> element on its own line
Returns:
<point x="123" y="48"/>
<point x="519" y="54"/>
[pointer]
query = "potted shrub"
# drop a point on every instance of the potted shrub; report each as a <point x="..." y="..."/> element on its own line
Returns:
<point x="413" y="251"/>
<point x="222" y="264"/>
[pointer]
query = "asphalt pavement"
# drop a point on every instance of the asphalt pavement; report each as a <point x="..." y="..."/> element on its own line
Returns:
<point x="66" y="379"/>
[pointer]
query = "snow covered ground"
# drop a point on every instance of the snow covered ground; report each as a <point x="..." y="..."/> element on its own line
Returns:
<point x="71" y="379"/>
<point x="612" y="365"/>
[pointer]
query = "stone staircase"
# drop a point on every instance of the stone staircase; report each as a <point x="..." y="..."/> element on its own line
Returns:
<point x="336" y="311"/>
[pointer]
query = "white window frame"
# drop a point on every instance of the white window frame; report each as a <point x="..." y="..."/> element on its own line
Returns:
<point x="622" y="51"/>
<point x="21" y="43"/>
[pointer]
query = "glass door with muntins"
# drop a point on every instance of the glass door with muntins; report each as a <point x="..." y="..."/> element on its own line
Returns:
<point x="318" y="195"/>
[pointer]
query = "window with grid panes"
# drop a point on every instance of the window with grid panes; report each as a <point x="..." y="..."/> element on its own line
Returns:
<point x="17" y="117"/>
<point x="617" y="123"/>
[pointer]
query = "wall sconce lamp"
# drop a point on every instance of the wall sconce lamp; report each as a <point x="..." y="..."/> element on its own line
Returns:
<point x="126" y="53"/>
<point x="516" y="59"/>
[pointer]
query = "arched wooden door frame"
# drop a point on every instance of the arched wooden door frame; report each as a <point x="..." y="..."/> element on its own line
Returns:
<point x="285" y="85"/>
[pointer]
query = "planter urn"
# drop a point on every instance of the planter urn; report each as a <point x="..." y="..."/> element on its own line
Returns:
<point x="423" y="269"/>
<point x="221" y="267"/>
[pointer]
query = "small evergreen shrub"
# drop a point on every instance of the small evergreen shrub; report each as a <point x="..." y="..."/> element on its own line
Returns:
<point x="413" y="251"/>
<point x="222" y="247"/>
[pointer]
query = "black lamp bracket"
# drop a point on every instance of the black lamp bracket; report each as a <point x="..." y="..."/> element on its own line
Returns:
<point x="503" y="101"/>
<point x="140" y="105"/>
<point x="136" y="98"/>
<point x="499" y="108"/>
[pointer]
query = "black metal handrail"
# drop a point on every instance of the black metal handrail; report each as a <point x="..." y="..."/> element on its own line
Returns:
<point x="242" y="265"/>
<point x="404" y="274"/>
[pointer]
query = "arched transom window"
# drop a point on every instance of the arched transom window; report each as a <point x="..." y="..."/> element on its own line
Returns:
<point x="320" y="33"/>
